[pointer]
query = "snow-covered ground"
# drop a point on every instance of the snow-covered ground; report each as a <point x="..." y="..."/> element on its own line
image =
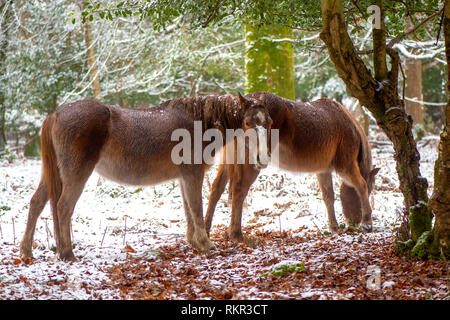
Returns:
<point x="113" y="222"/>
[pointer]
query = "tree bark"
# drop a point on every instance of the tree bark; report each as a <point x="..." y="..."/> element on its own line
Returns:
<point x="362" y="117"/>
<point x="269" y="60"/>
<point x="91" y="58"/>
<point x="379" y="95"/>
<point x="440" y="200"/>
<point x="413" y="89"/>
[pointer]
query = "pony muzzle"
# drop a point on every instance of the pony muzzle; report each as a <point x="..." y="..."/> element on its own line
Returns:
<point x="263" y="155"/>
<point x="262" y="164"/>
<point x="366" y="224"/>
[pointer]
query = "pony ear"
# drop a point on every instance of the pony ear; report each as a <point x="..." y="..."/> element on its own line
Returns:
<point x="374" y="171"/>
<point x="242" y="101"/>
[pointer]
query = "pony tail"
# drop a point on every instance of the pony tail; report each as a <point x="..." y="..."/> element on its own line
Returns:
<point x="50" y="167"/>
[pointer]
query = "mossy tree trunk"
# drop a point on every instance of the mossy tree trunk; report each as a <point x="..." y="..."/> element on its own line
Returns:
<point x="269" y="60"/>
<point x="440" y="200"/>
<point x="379" y="94"/>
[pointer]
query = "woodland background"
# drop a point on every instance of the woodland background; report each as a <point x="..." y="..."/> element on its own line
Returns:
<point x="138" y="53"/>
<point x="48" y="57"/>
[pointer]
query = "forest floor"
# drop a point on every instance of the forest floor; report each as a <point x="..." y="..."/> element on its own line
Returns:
<point x="130" y="242"/>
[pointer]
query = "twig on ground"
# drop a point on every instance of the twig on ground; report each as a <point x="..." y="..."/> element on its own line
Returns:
<point x="279" y="221"/>
<point x="14" y="231"/>
<point x="125" y="231"/>
<point x="103" y="238"/>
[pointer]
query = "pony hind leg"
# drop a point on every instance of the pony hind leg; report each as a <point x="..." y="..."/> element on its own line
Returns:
<point x="37" y="204"/>
<point x="72" y="188"/>
<point x="353" y="178"/>
<point x="230" y="192"/>
<point x="326" y="186"/>
<point x="74" y="175"/>
<point x="71" y="192"/>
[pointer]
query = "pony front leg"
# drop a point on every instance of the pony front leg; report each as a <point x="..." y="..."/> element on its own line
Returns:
<point x="191" y="187"/>
<point x="366" y="224"/>
<point x="242" y="179"/>
<point x="65" y="207"/>
<point x="361" y="189"/>
<point x="218" y="187"/>
<point x="326" y="186"/>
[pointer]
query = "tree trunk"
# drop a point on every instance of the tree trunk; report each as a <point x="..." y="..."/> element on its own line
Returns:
<point x="91" y="58"/>
<point x="362" y="117"/>
<point x="32" y="148"/>
<point x="440" y="200"/>
<point x="269" y="60"/>
<point x="413" y="89"/>
<point x="4" y="9"/>
<point x="379" y="95"/>
<point x="3" y="141"/>
<point x="413" y="85"/>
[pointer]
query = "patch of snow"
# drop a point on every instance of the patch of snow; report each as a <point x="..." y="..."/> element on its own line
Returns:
<point x="308" y="294"/>
<point x="388" y="284"/>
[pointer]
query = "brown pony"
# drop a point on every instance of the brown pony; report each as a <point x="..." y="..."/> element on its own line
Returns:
<point x="129" y="146"/>
<point x="319" y="136"/>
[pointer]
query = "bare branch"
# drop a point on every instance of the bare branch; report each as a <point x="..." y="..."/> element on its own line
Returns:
<point x="413" y="30"/>
<point x="213" y="14"/>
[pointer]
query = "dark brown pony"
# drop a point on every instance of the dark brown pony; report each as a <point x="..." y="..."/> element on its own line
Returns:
<point x="319" y="136"/>
<point x="128" y="146"/>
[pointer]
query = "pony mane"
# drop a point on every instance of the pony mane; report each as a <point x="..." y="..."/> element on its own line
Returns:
<point x="212" y="110"/>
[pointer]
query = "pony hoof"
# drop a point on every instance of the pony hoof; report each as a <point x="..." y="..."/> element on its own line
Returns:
<point x="25" y="255"/>
<point x="366" y="227"/>
<point x="334" y="228"/>
<point x="209" y="250"/>
<point x="236" y="238"/>
<point x="72" y="259"/>
<point x="205" y="247"/>
<point x="68" y="258"/>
